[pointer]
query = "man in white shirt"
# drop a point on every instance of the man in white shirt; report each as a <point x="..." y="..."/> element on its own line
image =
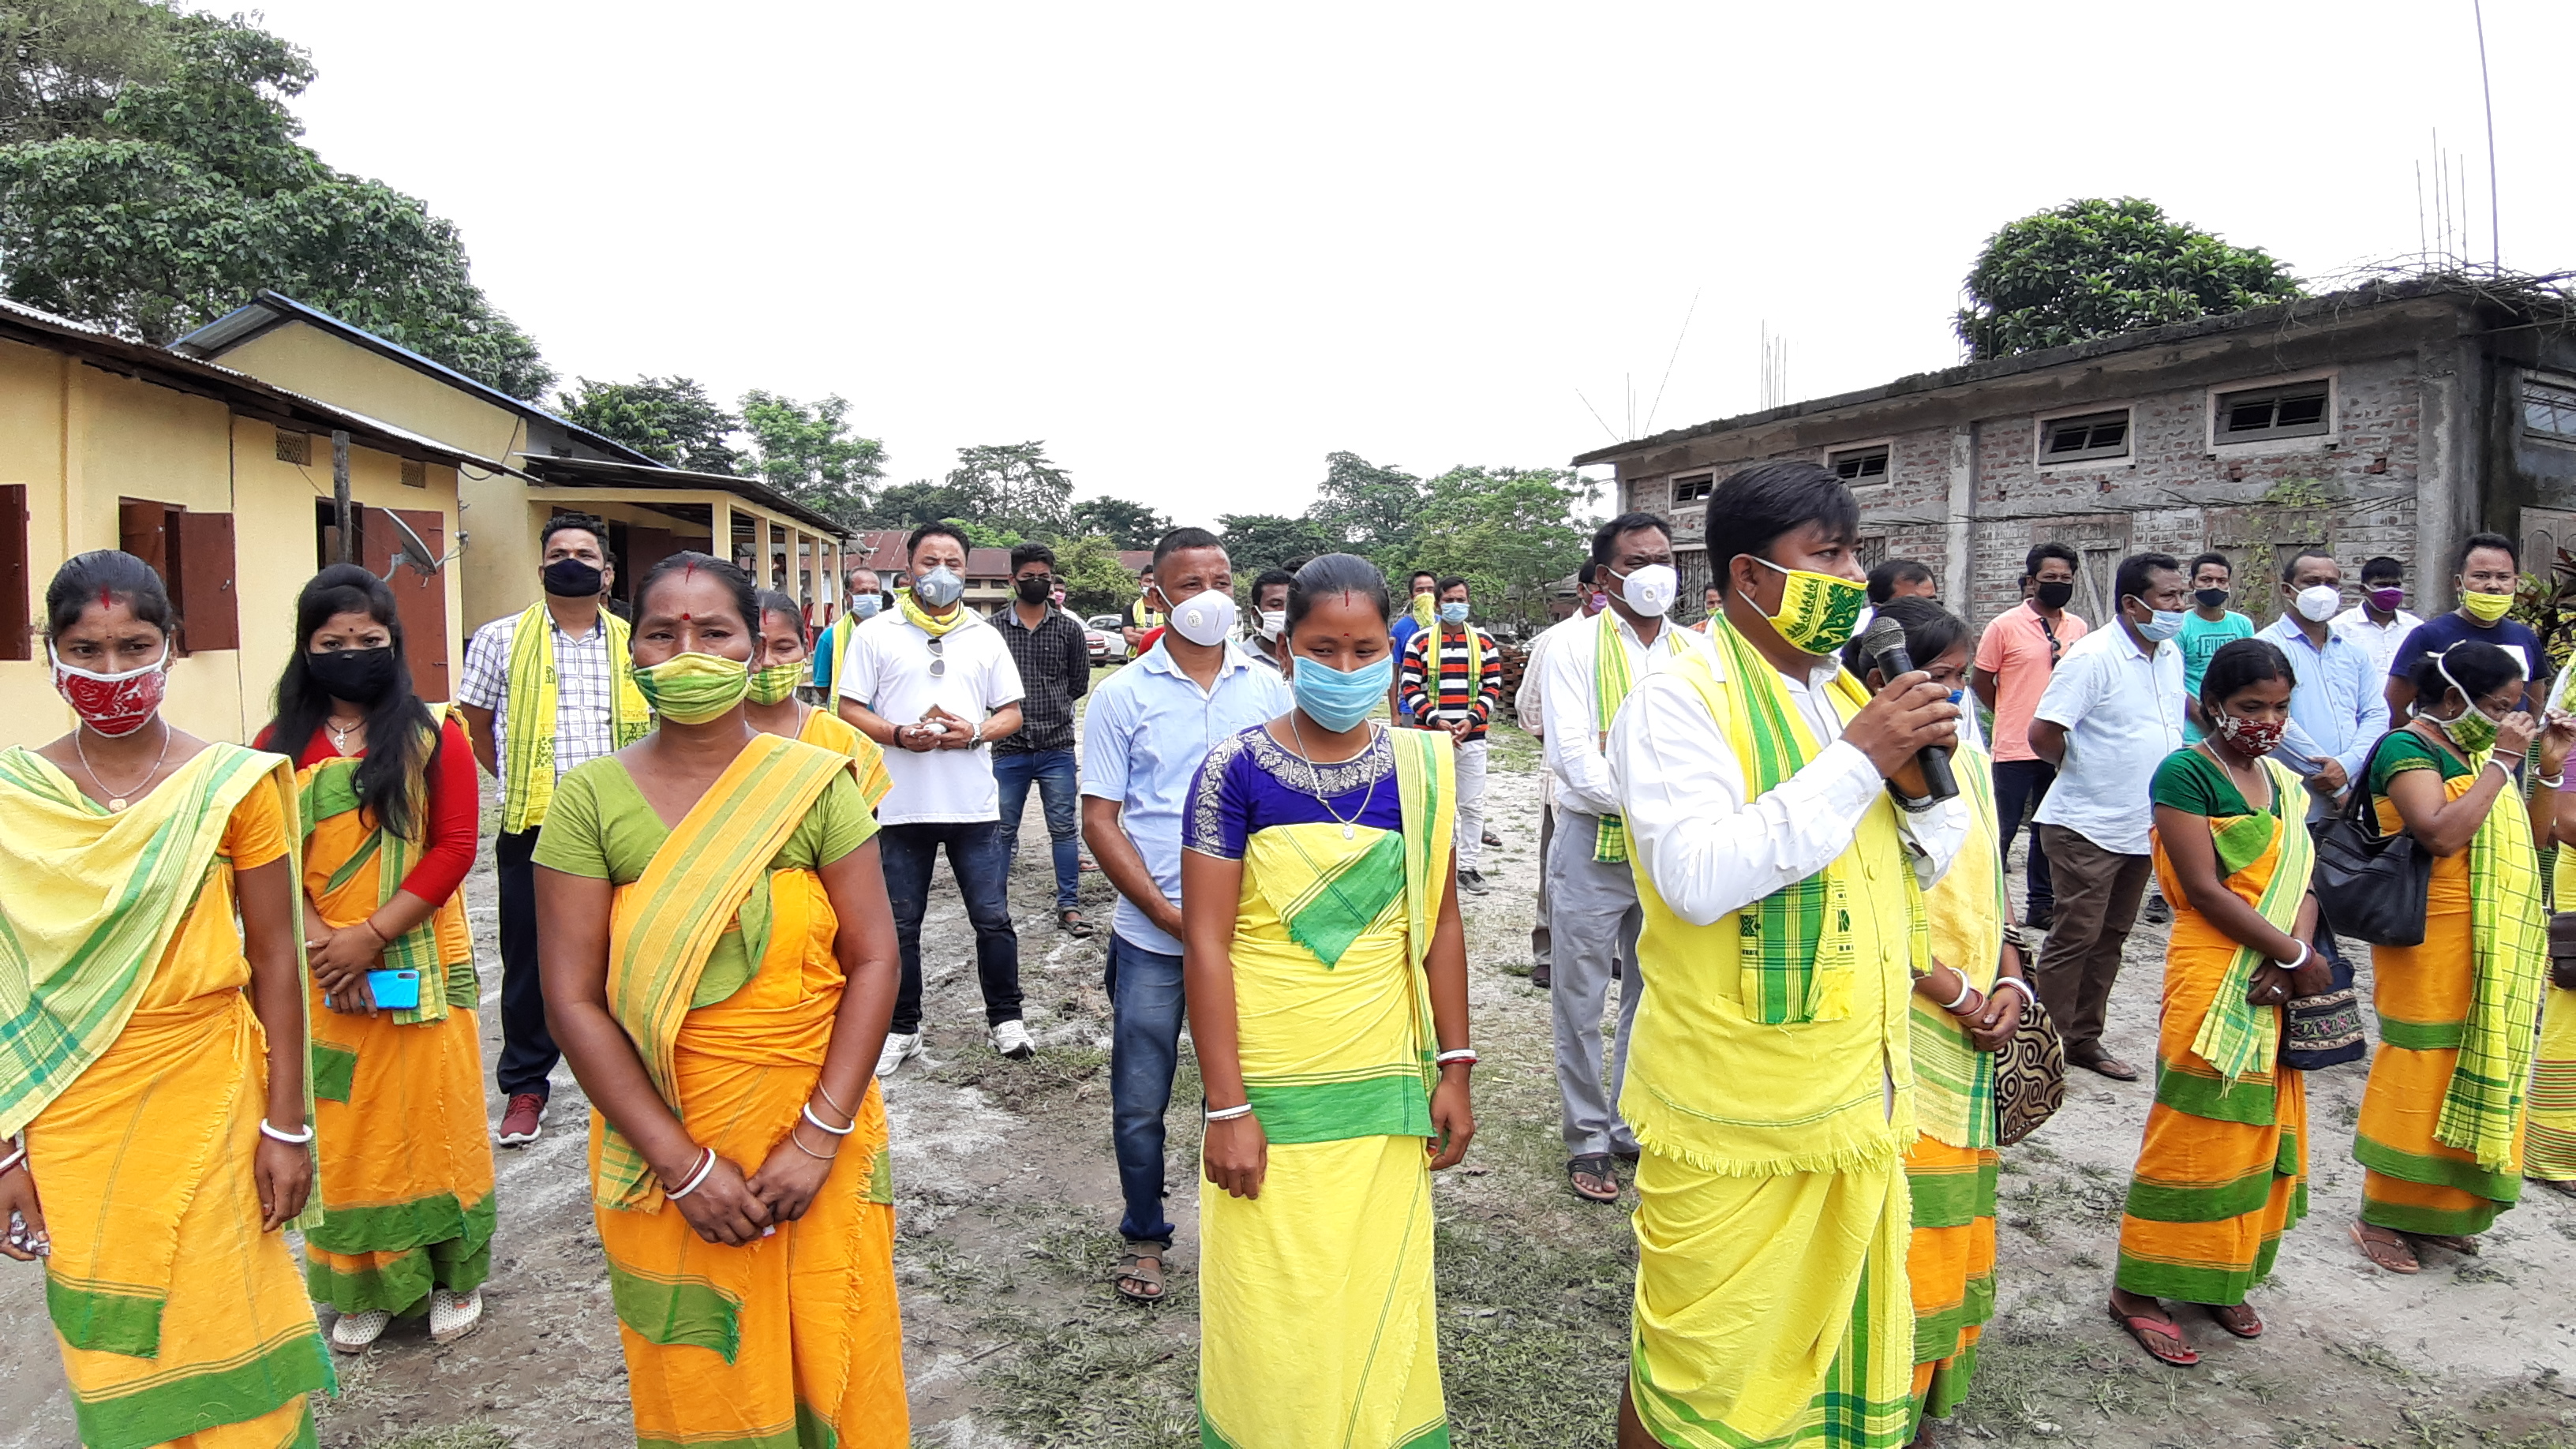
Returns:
<point x="1780" y="965"/>
<point x="934" y="684"/>
<point x="2111" y="713"/>
<point x="1592" y="905"/>
<point x="1526" y="708"/>
<point x="2379" y="624"/>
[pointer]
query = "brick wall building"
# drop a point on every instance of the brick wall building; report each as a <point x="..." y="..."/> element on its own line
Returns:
<point x="2396" y="419"/>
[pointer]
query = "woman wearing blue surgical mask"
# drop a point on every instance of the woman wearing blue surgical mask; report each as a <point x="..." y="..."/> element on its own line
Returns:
<point x="1325" y="965"/>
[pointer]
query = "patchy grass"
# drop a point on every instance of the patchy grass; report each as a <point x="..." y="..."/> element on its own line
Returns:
<point x="463" y="1436"/>
<point x="1533" y="1335"/>
<point x="1054" y="1073"/>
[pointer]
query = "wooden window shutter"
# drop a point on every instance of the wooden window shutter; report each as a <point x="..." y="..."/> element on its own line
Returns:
<point x="208" y="612"/>
<point x="16" y="635"/>
<point x="140" y="526"/>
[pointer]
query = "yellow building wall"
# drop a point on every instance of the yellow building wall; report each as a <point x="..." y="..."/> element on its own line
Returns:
<point x="81" y="440"/>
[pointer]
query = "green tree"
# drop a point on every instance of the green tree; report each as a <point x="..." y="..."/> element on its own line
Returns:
<point x="2094" y="268"/>
<point x="1369" y="509"/>
<point x="910" y="505"/>
<point x="1511" y="532"/>
<point x="1015" y="486"/>
<point x="670" y="419"/>
<point x="806" y="450"/>
<point x="189" y="190"/>
<point x="1125" y="524"/>
<point x="1095" y="582"/>
<point x="1257" y="541"/>
<point x="980" y="534"/>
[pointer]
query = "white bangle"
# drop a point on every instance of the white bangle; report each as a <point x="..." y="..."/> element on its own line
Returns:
<point x="808" y="1110"/>
<point x="1967" y="988"/>
<point x="2550" y="782"/>
<point x="706" y="1164"/>
<point x="289" y="1138"/>
<point x="2017" y="984"/>
<point x="1459" y="1054"/>
<point x="2294" y="963"/>
<point x="13" y="1159"/>
<point x="1228" y="1114"/>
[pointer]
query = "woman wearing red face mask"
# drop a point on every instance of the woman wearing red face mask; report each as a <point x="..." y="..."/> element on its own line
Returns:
<point x="2231" y="845"/>
<point x="154" y="1108"/>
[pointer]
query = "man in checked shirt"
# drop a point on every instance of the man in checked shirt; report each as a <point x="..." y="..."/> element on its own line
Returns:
<point x="1452" y="679"/>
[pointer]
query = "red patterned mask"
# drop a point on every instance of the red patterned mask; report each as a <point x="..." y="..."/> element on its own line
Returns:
<point x="2252" y="738"/>
<point x="114" y="705"/>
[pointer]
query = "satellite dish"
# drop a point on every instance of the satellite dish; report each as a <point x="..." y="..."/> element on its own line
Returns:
<point x="423" y="559"/>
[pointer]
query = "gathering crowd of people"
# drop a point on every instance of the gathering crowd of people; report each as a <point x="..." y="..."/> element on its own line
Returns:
<point x="240" y="993"/>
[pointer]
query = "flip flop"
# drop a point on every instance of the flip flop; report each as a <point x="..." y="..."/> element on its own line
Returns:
<point x="2218" y="1316"/>
<point x="1593" y="1165"/>
<point x="2465" y="1247"/>
<point x="1138" y="1267"/>
<point x="2139" y="1326"/>
<point x="2365" y="1242"/>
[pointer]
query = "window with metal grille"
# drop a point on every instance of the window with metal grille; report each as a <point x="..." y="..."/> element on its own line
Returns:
<point x="294" y="447"/>
<point x="2295" y="411"/>
<point x="415" y="473"/>
<point x="2549" y="409"/>
<point x="1693" y="488"/>
<point x="1872" y="551"/>
<point x="1859" y="466"/>
<point x="2092" y="435"/>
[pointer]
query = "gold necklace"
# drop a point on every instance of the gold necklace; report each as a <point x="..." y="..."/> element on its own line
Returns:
<point x="116" y="799"/>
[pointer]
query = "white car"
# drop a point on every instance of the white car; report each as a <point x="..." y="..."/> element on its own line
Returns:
<point x="1108" y="645"/>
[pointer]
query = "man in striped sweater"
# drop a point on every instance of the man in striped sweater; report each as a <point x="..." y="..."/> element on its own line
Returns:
<point x="1452" y="680"/>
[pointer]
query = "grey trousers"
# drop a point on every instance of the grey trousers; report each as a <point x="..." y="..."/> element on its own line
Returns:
<point x="1594" y="919"/>
<point x="1539" y="939"/>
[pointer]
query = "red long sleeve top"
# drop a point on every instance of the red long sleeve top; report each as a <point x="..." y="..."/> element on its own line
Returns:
<point x="455" y="807"/>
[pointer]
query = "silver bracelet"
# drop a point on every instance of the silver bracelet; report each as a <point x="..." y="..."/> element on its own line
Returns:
<point x="2294" y="963"/>
<point x="1228" y="1114"/>
<point x="289" y="1138"/>
<point x="2550" y="782"/>
<point x="808" y="1110"/>
<point x="1455" y="1054"/>
<point x="706" y="1164"/>
<point x="2017" y="984"/>
<point x="1967" y="988"/>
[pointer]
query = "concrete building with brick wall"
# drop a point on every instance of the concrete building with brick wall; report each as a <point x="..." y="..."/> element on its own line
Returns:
<point x="2395" y="419"/>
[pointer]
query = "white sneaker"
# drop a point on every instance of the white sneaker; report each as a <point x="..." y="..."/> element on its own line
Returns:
<point x="355" y="1332"/>
<point x="452" y="1316"/>
<point x="898" y="1045"/>
<point x="1012" y="1040"/>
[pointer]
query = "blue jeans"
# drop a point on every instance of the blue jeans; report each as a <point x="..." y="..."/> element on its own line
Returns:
<point x="1145" y="1008"/>
<point x="1060" y="792"/>
<point x="909" y="854"/>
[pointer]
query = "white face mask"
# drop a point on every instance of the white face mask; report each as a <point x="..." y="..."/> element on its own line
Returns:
<point x="1272" y="622"/>
<point x="2318" y="602"/>
<point x="1204" y="619"/>
<point x="1651" y="590"/>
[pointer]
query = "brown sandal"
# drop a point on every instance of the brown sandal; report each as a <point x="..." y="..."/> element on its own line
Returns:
<point x="2238" y="1326"/>
<point x="2390" y="1253"/>
<point x="2465" y="1247"/>
<point x="2147" y="1330"/>
<point x="1141" y="1264"/>
<point x="1594" y="1165"/>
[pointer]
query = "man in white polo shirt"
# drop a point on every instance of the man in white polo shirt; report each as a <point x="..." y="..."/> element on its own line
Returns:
<point x="2110" y="715"/>
<point x="934" y="684"/>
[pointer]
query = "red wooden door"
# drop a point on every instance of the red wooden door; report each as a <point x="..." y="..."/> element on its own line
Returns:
<point x="421" y="602"/>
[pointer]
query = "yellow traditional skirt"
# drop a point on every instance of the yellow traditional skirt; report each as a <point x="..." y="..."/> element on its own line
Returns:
<point x="2416" y="1184"/>
<point x="2222" y="1171"/>
<point x="2549" y="1142"/>
<point x="1753" y="1290"/>
<point x="406" y="1182"/>
<point x="1950" y="1263"/>
<point x="203" y="1339"/>
<point x="792" y="1340"/>
<point x="1318" y="1324"/>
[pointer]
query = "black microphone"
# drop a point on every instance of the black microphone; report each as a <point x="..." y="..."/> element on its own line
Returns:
<point x="1884" y="646"/>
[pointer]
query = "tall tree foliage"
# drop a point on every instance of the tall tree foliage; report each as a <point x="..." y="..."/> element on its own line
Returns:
<point x="1511" y="532"/>
<point x="152" y="179"/>
<point x="807" y="451"/>
<point x="669" y="419"/>
<point x="1095" y="582"/>
<point x="2094" y="268"/>
<point x="1257" y="541"/>
<point x="1125" y="524"/>
<point x="1371" y="510"/>
<point x="1014" y="486"/>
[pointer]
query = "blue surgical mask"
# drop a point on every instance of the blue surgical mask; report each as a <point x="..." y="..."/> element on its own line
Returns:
<point x="2162" y="625"/>
<point x="1339" y="699"/>
<point x="866" y="605"/>
<point x="1453" y="613"/>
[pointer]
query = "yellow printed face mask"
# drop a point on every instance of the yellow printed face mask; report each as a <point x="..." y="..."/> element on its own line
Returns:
<point x="2487" y="608"/>
<point x="1819" y="613"/>
<point x="693" y="688"/>
<point x="776" y="683"/>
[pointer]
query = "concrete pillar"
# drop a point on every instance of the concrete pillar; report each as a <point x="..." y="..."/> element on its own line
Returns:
<point x="1958" y="577"/>
<point x="2448" y="490"/>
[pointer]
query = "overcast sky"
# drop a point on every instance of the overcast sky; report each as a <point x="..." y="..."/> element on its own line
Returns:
<point x="1196" y="247"/>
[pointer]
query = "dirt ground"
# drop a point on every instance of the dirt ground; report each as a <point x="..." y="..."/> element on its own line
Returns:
<point x="1008" y="1203"/>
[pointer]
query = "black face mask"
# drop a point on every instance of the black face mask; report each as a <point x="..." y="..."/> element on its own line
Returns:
<point x="570" y="578"/>
<point x="2054" y="595"/>
<point x="2209" y="598"/>
<point x="360" y="676"/>
<point x="1036" y="591"/>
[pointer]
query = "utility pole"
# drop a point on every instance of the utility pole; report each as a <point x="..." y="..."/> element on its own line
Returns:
<point x="340" y="495"/>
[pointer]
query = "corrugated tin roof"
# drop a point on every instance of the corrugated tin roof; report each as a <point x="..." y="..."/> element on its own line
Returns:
<point x="242" y="392"/>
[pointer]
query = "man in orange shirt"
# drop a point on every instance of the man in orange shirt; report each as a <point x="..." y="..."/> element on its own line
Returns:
<point x="2014" y="659"/>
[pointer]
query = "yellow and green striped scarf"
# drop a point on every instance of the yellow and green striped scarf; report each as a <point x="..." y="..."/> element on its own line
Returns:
<point x="331" y="788"/>
<point x="528" y="725"/>
<point x="2509" y="946"/>
<point x="666" y="923"/>
<point x="2236" y="1036"/>
<point x="1954" y="1083"/>
<point x="1798" y="954"/>
<point x="1612" y="678"/>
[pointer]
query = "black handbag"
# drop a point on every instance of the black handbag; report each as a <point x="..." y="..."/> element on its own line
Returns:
<point x="2370" y="886"/>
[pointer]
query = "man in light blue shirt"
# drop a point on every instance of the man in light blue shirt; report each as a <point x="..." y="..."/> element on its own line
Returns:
<point x="1148" y="728"/>
<point x="2338" y="709"/>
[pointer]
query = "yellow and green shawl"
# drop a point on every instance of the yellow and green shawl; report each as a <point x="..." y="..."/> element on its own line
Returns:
<point x="664" y="928"/>
<point x="2236" y="1036"/>
<point x="330" y="789"/>
<point x="1954" y="1083"/>
<point x="528" y="722"/>
<point x="2509" y="945"/>
<point x="1612" y="678"/>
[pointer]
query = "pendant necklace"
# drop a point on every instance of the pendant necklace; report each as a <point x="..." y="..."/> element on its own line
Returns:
<point x="116" y="799"/>
<point x="340" y="733"/>
<point x="1315" y="778"/>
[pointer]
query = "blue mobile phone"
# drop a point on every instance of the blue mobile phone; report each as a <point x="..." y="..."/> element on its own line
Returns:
<point x="395" y="990"/>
